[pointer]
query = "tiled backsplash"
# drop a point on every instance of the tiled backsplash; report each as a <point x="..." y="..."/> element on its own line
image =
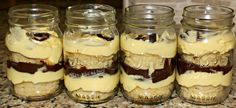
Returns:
<point x="178" y="5"/>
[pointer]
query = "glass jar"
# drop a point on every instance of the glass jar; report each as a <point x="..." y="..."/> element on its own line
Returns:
<point x="205" y="50"/>
<point x="148" y="49"/>
<point x="91" y="43"/>
<point x="35" y="66"/>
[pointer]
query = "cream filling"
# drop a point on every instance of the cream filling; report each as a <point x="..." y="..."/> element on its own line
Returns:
<point x="17" y="77"/>
<point x="90" y="83"/>
<point x="129" y="83"/>
<point x="192" y="78"/>
<point x="163" y="49"/>
<point x="220" y="43"/>
<point x="50" y="49"/>
<point x="91" y="45"/>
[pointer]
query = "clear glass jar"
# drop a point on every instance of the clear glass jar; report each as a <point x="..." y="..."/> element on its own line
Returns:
<point x="91" y="43"/>
<point x="148" y="46"/>
<point x="35" y="66"/>
<point x="205" y="49"/>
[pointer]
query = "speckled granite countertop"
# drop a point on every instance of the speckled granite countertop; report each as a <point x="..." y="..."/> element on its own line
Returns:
<point x="63" y="101"/>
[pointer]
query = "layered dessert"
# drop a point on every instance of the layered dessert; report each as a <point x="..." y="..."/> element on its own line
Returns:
<point x="35" y="65"/>
<point x="148" y="66"/>
<point x="205" y="65"/>
<point x="91" y="67"/>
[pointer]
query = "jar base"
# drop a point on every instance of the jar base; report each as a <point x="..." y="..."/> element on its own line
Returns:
<point x="148" y="96"/>
<point x="37" y="92"/>
<point x="91" y="97"/>
<point x="203" y="95"/>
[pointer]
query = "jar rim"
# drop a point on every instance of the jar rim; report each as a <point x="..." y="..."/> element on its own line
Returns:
<point x="82" y="7"/>
<point x="90" y="15"/>
<point x="80" y="10"/>
<point x="209" y="12"/>
<point x="33" y="10"/>
<point x="33" y="14"/>
<point x="169" y="9"/>
<point x="149" y="15"/>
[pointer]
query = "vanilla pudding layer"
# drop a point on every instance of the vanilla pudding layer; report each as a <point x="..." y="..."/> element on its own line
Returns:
<point x="17" y="77"/>
<point x="205" y="62"/>
<point x="90" y="73"/>
<point x="220" y="42"/>
<point x="91" y="45"/>
<point x="22" y="69"/>
<point x="21" y="41"/>
<point x="90" y="61"/>
<point x="92" y="83"/>
<point x="192" y="78"/>
<point x="211" y="69"/>
<point x="164" y="48"/>
<point x="147" y="62"/>
<point x="130" y="82"/>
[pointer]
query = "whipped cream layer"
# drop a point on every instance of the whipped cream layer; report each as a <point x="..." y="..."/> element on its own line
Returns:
<point x="222" y="43"/>
<point x="192" y="78"/>
<point x="91" y="45"/>
<point x="50" y="49"/>
<point x="163" y="49"/>
<point x="129" y="82"/>
<point x="90" y="83"/>
<point x="17" y="77"/>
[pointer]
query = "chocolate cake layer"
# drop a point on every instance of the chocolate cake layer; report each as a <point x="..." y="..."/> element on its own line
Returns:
<point x="158" y="75"/>
<point x="106" y="38"/>
<point x="38" y="36"/>
<point x="151" y="37"/>
<point x="89" y="72"/>
<point x="32" y="68"/>
<point x="183" y="66"/>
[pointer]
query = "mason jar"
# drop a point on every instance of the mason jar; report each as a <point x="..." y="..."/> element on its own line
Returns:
<point x="205" y="49"/>
<point x="91" y="44"/>
<point x="34" y="65"/>
<point x="148" y="49"/>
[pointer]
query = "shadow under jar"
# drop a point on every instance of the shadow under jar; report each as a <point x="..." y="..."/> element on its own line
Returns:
<point x="205" y="50"/>
<point x="148" y="49"/>
<point x="91" y="43"/>
<point x="34" y="66"/>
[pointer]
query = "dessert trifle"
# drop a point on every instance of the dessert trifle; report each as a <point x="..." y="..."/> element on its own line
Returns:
<point x="90" y="55"/>
<point x="148" y="55"/>
<point x="35" y="66"/>
<point x="205" y="55"/>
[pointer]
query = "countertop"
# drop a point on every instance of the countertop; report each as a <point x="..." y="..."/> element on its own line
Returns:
<point x="63" y="101"/>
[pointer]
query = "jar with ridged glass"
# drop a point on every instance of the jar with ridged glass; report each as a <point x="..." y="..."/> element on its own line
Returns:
<point x="34" y="65"/>
<point x="205" y="48"/>
<point x="91" y="44"/>
<point x="148" y="49"/>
